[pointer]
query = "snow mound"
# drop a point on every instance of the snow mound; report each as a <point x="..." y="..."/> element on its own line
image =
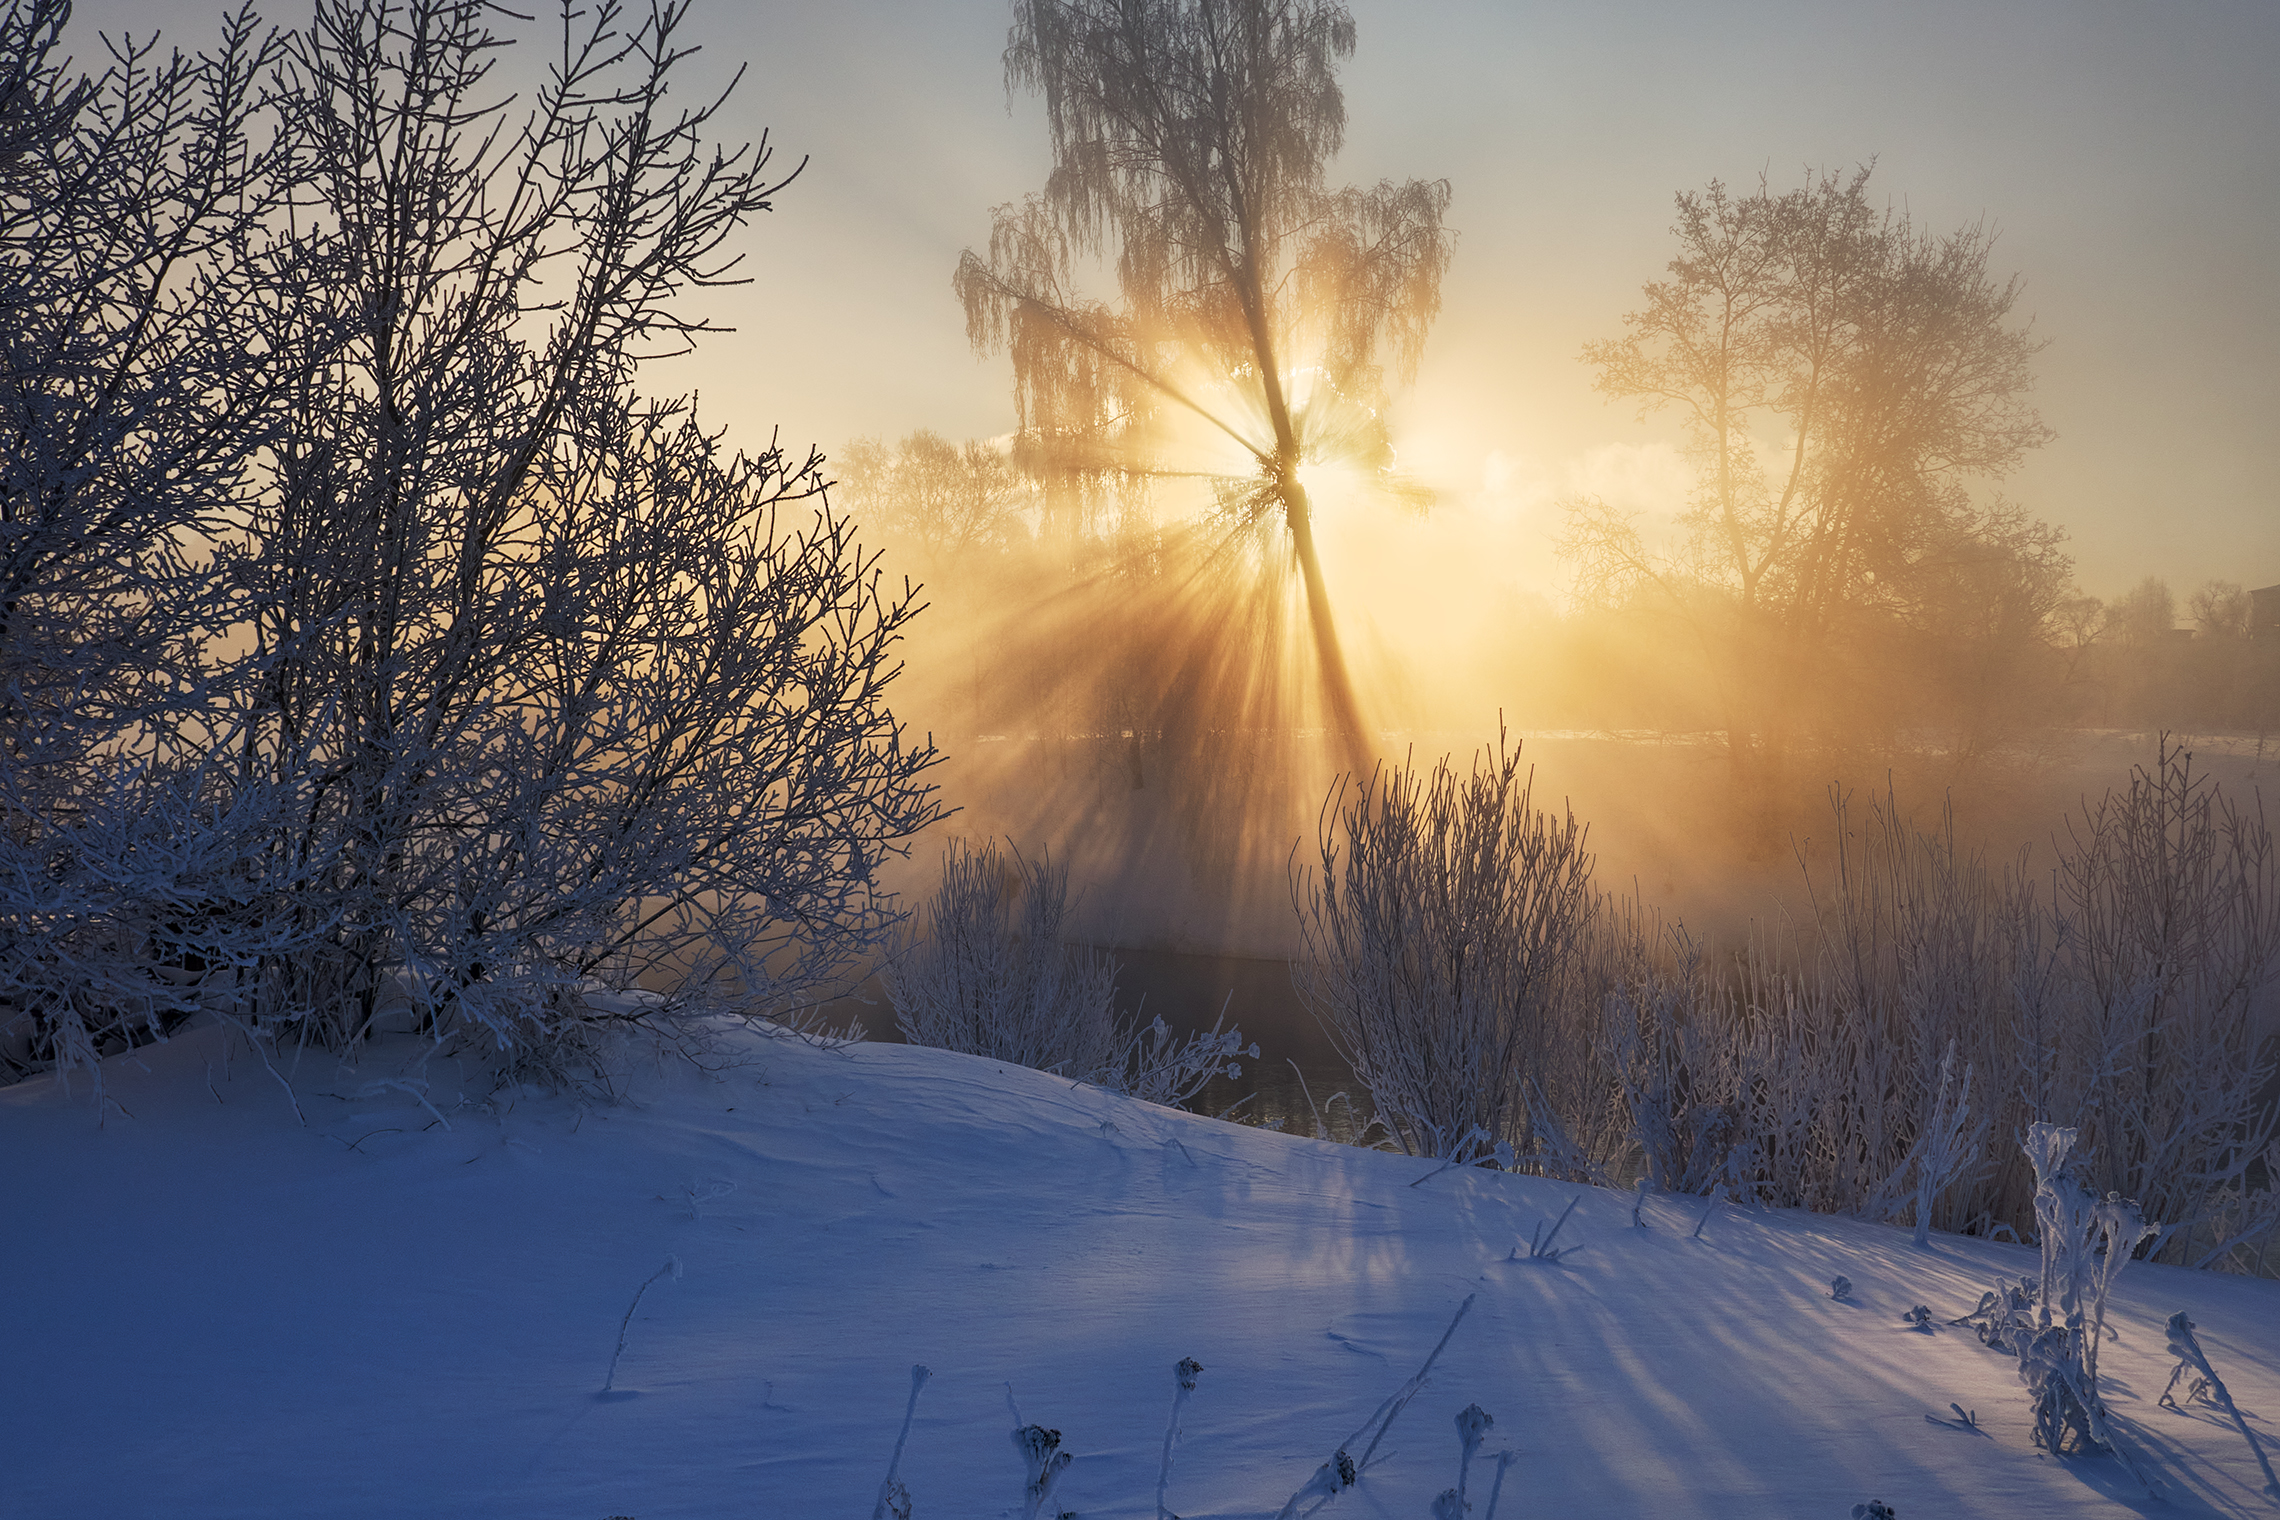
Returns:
<point x="409" y="1308"/>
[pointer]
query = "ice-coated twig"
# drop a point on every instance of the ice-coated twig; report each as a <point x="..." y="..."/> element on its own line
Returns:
<point x="415" y="1089"/>
<point x="267" y="1065"/>
<point x="2187" y="1349"/>
<point x="1321" y="1130"/>
<point x="672" y="1268"/>
<point x="894" y="1499"/>
<point x="1473" y="1423"/>
<point x="1474" y="1150"/>
<point x="1504" y="1459"/>
<point x="1338" y="1474"/>
<point x="1409" y="1390"/>
<point x="1183" y="1384"/>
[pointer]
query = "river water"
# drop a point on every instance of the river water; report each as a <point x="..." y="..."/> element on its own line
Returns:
<point x="1297" y="1076"/>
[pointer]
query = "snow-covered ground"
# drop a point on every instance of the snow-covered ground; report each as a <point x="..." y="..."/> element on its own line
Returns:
<point x="209" y="1310"/>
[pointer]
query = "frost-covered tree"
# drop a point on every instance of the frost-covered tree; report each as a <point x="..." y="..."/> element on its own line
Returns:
<point x="142" y="240"/>
<point x="529" y="684"/>
<point x="589" y="697"/>
<point x="946" y="504"/>
<point x="2221" y="609"/>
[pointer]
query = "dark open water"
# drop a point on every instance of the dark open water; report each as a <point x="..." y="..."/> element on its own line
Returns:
<point x="1188" y="992"/>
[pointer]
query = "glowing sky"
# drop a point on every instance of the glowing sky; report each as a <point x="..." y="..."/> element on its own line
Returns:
<point x="2130" y="155"/>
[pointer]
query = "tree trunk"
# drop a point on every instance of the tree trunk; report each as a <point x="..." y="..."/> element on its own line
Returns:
<point x="1337" y="685"/>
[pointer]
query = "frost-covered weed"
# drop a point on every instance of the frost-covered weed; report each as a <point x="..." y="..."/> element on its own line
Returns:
<point x="2186" y="1347"/>
<point x="1044" y="1461"/>
<point x="1183" y="1384"/>
<point x="2004" y="1316"/>
<point x="894" y="1495"/>
<point x="2086" y="1241"/>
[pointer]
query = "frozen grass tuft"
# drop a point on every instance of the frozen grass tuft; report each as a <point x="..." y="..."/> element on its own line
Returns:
<point x="1965" y="1419"/>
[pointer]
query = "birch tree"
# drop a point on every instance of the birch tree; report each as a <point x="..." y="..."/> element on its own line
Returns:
<point x="1254" y="301"/>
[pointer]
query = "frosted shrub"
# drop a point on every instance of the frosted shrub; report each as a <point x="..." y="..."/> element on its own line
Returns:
<point x="1440" y="938"/>
<point x="2169" y="900"/>
<point x="1934" y="1002"/>
<point x="990" y="976"/>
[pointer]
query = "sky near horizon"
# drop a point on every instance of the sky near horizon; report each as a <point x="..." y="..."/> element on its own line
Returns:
<point x="2128" y="154"/>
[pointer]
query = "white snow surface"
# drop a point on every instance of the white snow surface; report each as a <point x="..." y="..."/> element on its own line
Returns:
<point x="210" y="1310"/>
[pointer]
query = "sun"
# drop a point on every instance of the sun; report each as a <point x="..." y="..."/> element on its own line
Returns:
<point x="1331" y="483"/>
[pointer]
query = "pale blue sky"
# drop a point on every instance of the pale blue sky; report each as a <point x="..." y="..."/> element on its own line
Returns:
<point x="2130" y="155"/>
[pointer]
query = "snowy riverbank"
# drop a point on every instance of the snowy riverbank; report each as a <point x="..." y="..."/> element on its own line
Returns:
<point x="408" y="1308"/>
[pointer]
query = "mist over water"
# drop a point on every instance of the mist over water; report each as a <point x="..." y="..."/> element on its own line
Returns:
<point x="1194" y="898"/>
<point x="1662" y="819"/>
